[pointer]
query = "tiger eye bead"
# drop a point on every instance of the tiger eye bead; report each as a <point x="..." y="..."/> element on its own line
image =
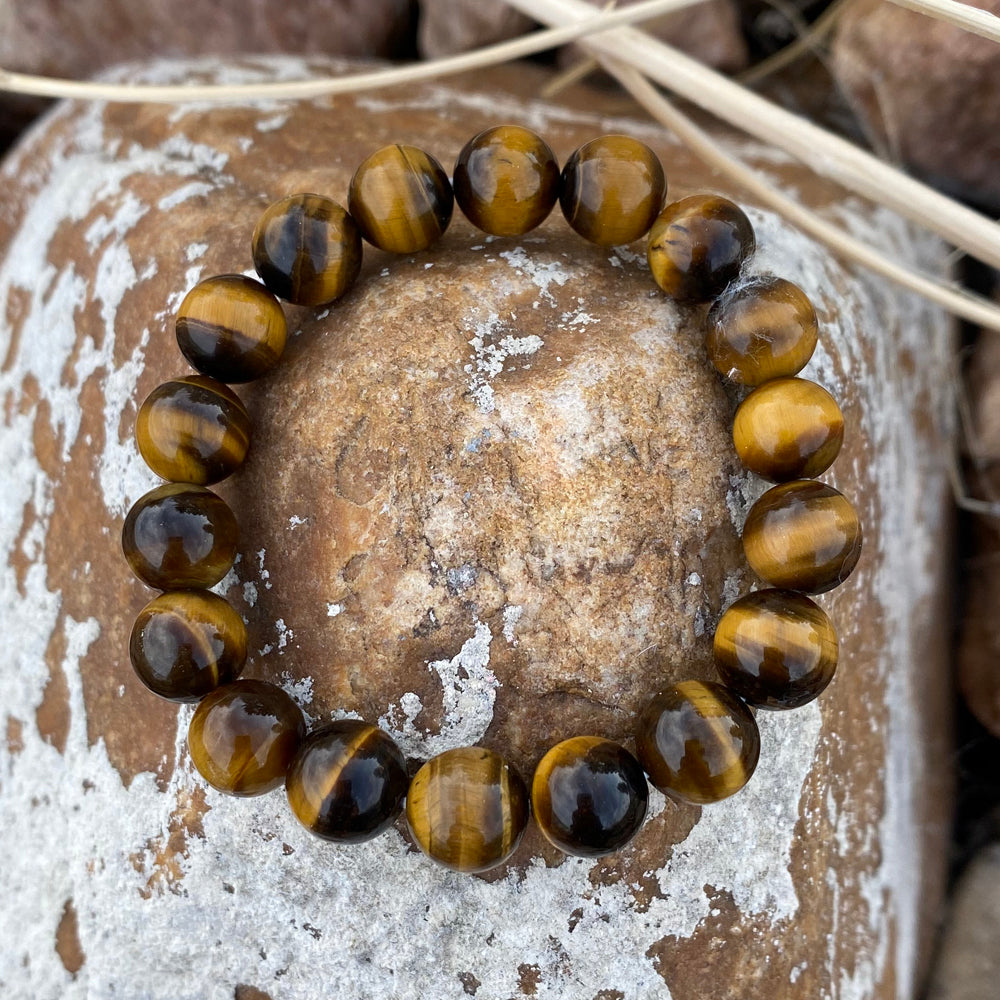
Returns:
<point x="244" y="735"/>
<point x="401" y="199"/>
<point x="180" y="536"/>
<point x="307" y="249"/>
<point x="589" y="796"/>
<point x="506" y="180"/>
<point x="775" y="649"/>
<point x="467" y="809"/>
<point x="698" y="742"/>
<point x="802" y="535"/>
<point x="764" y="329"/>
<point x="193" y="430"/>
<point x="231" y="327"/>
<point x="347" y="781"/>
<point x="698" y="245"/>
<point x="612" y="189"/>
<point x="788" y="428"/>
<point x="186" y="643"/>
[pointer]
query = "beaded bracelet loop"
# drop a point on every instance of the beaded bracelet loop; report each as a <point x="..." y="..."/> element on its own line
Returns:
<point x="347" y="780"/>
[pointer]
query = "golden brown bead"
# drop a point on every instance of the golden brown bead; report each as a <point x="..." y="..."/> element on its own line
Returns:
<point x="193" y="430"/>
<point x="802" y="535"/>
<point x="244" y="735"/>
<point x="589" y="796"/>
<point x="698" y="245"/>
<point x="180" y="536"/>
<point x="401" y="199"/>
<point x="347" y="782"/>
<point x="186" y="643"/>
<point x="763" y="329"/>
<point x="698" y="742"/>
<point x="307" y="249"/>
<point x="231" y="327"/>
<point x="506" y="180"/>
<point x="467" y="809"/>
<point x="788" y="428"/>
<point x="612" y="189"/>
<point x="776" y="649"/>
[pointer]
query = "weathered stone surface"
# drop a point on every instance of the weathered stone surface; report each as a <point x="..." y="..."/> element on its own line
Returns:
<point x="929" y="89"/>
<point x="492" y="498"/>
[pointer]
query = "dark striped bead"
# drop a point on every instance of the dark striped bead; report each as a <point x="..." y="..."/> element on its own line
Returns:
<point x="765" y="328"/>
<point x="231" y="327"/>
<point x="612" y="190"/>
<point x="307" y="249"/>
<point x="589" y="796"/>
<point x="697" y="247"/>
<point x="180" y="536"/>
<point x="802" y="535"/>
<point x="244" y="735"/>
<point x="347" y="781"/>
<point x="193" y="430"/>
<point x="186" y="643"/>
<point x="698" y="742"/>
<point x="401" y="199"/>
<point x="776" y="649"/>
<point x="467" y="809"/>
<point x="506" y="180"/>
<point x="788" y="428"/>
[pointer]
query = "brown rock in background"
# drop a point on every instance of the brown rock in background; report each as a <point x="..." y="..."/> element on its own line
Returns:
<point x="491" y="498"/>
<point x="930" y="90"/>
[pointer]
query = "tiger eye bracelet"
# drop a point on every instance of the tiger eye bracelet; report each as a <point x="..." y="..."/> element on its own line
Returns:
<point x="347" y="780"/>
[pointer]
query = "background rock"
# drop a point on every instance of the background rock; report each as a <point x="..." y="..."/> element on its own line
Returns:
<point x="491" y="496"/>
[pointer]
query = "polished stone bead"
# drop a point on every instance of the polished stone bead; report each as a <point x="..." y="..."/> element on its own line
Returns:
<point x="612" y="189"/>
<point x="788" y="428"/>
<point x="347" y="781"/>
<point x="697" y="246"/>
<point x="467" y="809"/>
<point x="698" y="742"/>
<point x="776" y="649"/>
<point x="180" y="536"/>
<point x="193" y="430"/>
<point x="401" y="199"/>
<point x="186" y="643"/>
<point x="243" y="736"/>
<point x="589" y="796"/>
<point x="506" y="180"/>
<point x="802" y="535"/>
<point x="307" y="249"/>
<point x="762" y="329"/>
<point x="231" y="327"/>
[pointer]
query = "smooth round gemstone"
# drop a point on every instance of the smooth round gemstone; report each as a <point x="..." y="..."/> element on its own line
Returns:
<point x="231" y="327"/>
<point x="776" y="649"/>
<point x="180" y="536"/>
<point x="307" y="249"/>
<point x="788" y="428"/>
<point x="193" y="430"/>
<point x="698" y="245"/>
<point x="802" y="535"/>
<point x="612" y="189"/>
<point x="401" y="199"/>
<point x="762" y="329"/>
<point x="467" y="809"/>
<point x="698" y="742"/>
<point x="589" y="796"/>
<point x="244" y="735"/>
<point x="506" y="180"/>
<point x="347" y="781"/>
<point x="186" y="643"/>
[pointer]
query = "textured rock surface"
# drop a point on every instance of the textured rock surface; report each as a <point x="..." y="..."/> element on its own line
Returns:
<point x="491" y="497"/>
<point x="929" y="89"/>
<point x="709" y="31"/>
